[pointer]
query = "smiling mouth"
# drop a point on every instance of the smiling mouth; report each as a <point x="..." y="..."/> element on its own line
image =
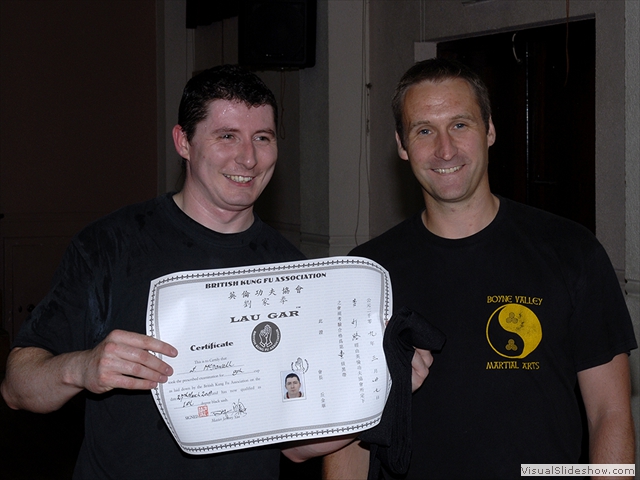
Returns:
<point x="239" y="178"/>
<point x="447" y="170"/>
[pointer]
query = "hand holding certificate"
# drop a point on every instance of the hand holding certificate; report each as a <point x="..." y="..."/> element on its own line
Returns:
<point x="272" y="353"/>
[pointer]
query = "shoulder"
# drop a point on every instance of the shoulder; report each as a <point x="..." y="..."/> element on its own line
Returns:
<point x="399" y="237"/>
<point x="134" y="215"/>
<point x="548" y="227"/>
<point x="566" y="243"/>
<point x="118" y="229"/>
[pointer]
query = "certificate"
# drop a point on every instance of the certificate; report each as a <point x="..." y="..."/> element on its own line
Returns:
<point x="272" y="353"/>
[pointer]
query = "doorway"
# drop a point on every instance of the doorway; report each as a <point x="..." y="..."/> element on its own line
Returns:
<point x="542" y="86"/>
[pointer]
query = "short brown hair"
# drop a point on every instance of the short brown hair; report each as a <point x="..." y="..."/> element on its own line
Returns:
<point x="438" y="70"/>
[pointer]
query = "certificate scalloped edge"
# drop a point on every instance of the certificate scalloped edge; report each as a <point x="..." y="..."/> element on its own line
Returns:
<point x="320" y="431"/>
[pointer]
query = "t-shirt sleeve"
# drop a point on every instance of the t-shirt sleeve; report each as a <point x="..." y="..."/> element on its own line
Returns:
<point x="64" y="320"/>
<point x="602" y="324"/>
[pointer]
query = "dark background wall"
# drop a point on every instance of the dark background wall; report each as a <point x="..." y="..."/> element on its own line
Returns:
<point x="78" y="129"/>
<point x="78" y="139"/>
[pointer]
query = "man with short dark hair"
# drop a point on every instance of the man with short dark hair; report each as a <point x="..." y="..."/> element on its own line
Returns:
<point x="528" y="301"/>
<point x="292" y="384"/>
<point x="88" y="334"/>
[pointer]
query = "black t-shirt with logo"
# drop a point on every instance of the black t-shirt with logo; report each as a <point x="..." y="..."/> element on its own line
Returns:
<point x="525" y="304"/>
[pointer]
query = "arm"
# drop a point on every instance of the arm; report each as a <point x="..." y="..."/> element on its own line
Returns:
<point x="351" y="462"/>
<point x="305" y="450"/>
<point x="606" y="391"/>
<point x="39" y="381"/>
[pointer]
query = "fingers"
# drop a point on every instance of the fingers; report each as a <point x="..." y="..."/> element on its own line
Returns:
<point x="123" y="360"/>
<point x="143" y="342"/>
<point x="425" y="356"/>
<point x="420" y="363"/>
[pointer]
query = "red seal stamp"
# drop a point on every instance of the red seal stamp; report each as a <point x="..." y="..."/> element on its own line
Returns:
<point x="203" y="411"/>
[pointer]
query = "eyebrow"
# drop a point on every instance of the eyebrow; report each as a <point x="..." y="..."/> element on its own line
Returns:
<point x="464" y="116"/>
<point x="461" y="116"/>
<point x="267" y="130"/>
<point x="224" y="129"/>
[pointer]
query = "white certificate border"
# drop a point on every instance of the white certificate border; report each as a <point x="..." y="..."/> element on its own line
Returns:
<point x="191" y="276"/>
<point x="279" y="436"/>
<point x="274" y="436"/>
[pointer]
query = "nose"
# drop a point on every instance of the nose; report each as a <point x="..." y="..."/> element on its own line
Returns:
<point x="246" y="155"/>
<point x="446" y="148"/>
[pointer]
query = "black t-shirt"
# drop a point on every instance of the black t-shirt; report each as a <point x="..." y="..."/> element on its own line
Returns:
<point x="103" y="284"/>
<point x="525" y="304"/>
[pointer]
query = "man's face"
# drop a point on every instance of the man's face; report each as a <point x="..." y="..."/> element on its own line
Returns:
<point x="446" y="141"/>
<point x="293" y="387"/>
<point x="231" y="156"/>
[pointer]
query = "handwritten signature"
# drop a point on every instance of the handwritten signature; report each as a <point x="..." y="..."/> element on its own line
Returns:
<point x="212" y="366"/>
<point x="238" y="410"/>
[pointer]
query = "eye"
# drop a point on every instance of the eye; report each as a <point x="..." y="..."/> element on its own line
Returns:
<point x="263" y="138"/>
<point x="458" y="126"/>
<point x="424" y="131"/>
<point x="226" y="136"/>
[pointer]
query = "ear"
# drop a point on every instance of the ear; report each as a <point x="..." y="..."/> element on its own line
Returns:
<point x="180" y="142"/>
<point x="491" y="134"/>
<point x="401" y="151"/>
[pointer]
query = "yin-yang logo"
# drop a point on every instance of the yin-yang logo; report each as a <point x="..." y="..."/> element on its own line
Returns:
<point x="514" y="331"/>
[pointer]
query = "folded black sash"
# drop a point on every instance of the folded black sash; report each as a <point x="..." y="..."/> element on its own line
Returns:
<point x="390" y="440"/>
